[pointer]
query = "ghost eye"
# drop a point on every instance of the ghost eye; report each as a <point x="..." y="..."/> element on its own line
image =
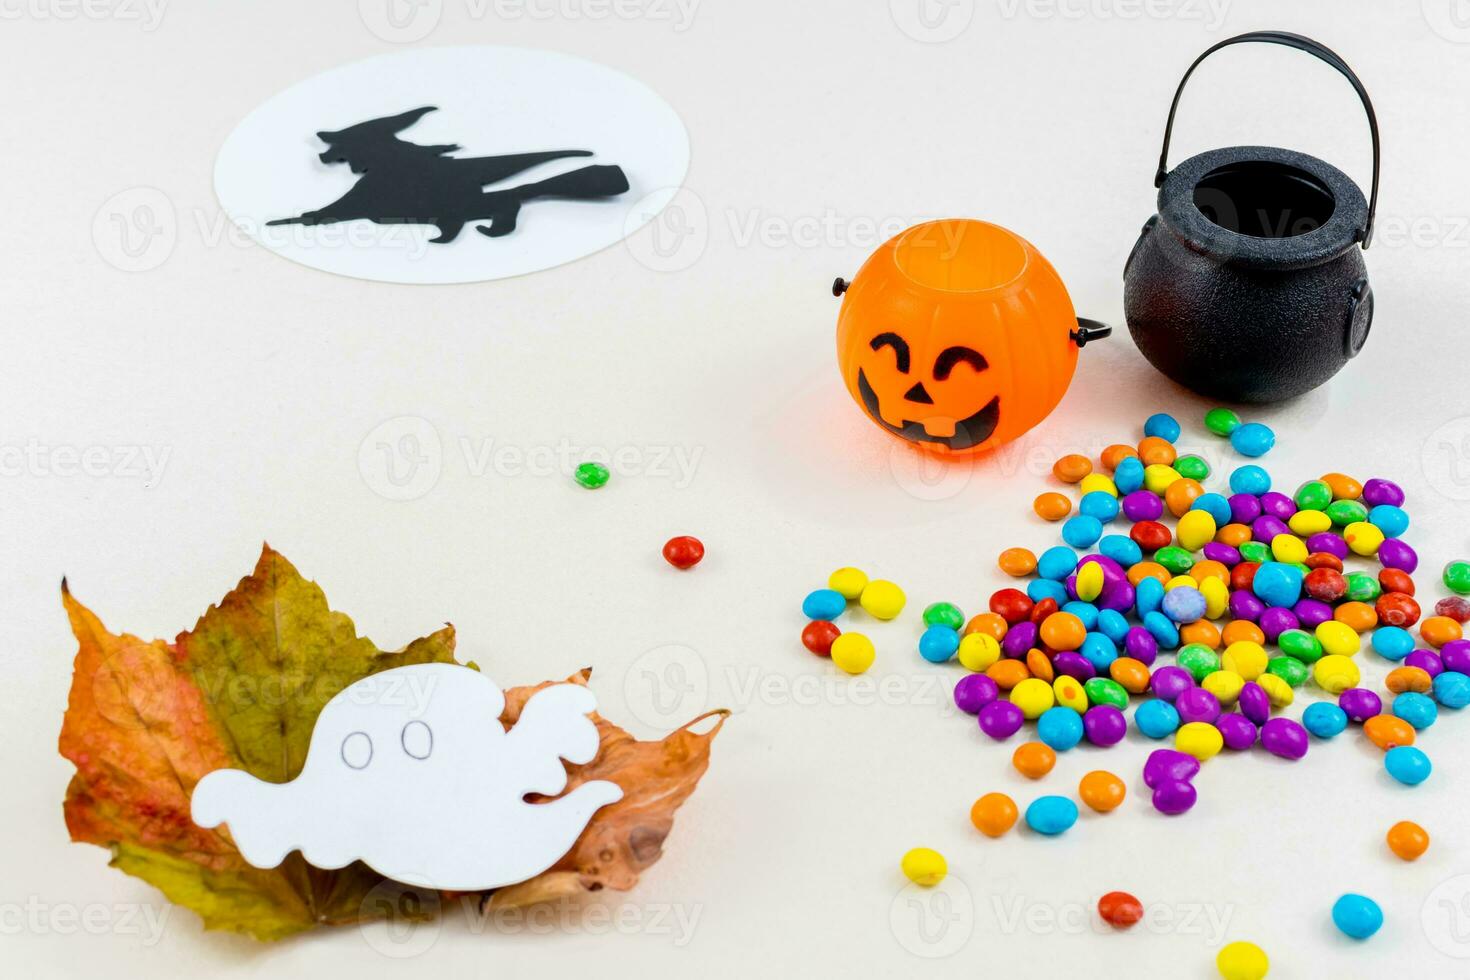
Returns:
<point x="417" y="739"/>
<point x="357" y="750"/>
<point x="899" y="345"/>
<point x="951" y="356"/>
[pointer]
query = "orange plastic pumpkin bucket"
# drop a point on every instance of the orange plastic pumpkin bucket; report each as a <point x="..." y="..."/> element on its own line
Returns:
<point x="958" y="336"/>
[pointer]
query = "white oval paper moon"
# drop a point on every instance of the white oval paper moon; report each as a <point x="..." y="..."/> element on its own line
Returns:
<point x="489" y="101"/>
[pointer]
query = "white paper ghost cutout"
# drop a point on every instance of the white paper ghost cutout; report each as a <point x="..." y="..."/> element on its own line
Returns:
<point x="411" y="772"/>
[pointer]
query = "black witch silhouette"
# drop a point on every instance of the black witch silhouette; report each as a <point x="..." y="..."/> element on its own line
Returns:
<point x="407" y="183"/>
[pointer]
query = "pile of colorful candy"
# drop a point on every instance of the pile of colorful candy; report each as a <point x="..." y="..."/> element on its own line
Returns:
<point x="852" y="652"/>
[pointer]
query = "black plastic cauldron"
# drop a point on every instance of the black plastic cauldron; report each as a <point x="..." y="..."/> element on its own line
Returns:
<point x="1249" y="285"/>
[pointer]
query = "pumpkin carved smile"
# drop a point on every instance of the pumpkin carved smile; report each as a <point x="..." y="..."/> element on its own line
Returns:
<point x="969" y="432"/>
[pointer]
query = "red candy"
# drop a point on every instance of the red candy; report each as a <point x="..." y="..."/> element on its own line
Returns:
<point x="1150" y="535"/>
<point x="1043" y="609"/>
<point x="818" y="637"/>
<point x="1243" y="575"/>
<point x="1324" y="559"/>
<point x="1396" y="580"/>
<point x="684" y="551"/>
<point x="1119" y="909"/>
<point x="1397" y="609"/>
<point x="1453" y="607"/>
<point x="1325" y="584"/>
<point x="1012" y="605"/>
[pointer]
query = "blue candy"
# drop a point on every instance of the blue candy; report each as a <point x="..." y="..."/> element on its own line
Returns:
<point x="1156" y="718"/>
<point x="1148" y="595"/>
<point x="1162" y="425"/>
<point x="1099" y="651"/>
<point x="1051" y="815"/>
<point x="1128" y="477"/>
<point x="1324" y="719"/>
<point x="1407" y="764"/>
<point x="1081" y="531"/>
<point x="1215" y="505"/>
<point x="1112" y="624"/>
<point x="1278" y="584"/>
<point x="1391" y="520"/>
<point x="825" y="604"/>
<point x="1393" y="642"/>
<point x="938" y="644"/>
<point x="1162" y="629"/>
<point x="1250" y="479"/>
<point x="1417" y="709"/>
<point x="1084" y="611"/>
<point x="1184" y="604"/>
<point x="1357" y="915"/>
<point x="1252" y="439"/>
<point x="1045" y="588"/>
<point x="1121" y="549"/>
<point x="1098" y="504"/>
<point x="1060" y="728"/>
<point x="1452" y="689"/>
<point x="1057" y="563"/>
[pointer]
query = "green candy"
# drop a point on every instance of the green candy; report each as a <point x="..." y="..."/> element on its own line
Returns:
<point x="1345" y="512"/>
<point x="944" y="614"/>
<point x="1313" y="495"/>
<point x="1301" y="645"/>
<point x="1221" y="421"/>
<point x="1175" y="559"/>
<point x="1289" y="669"/>
<point x="1256" y="551"/>
<point x="1104" y="690"/>
<point x="1199" y="660"/>
<point x="1362" y="587"/>
<point x="1457" y="577"/>
<point x="591" y="475"/>
<point x="1192" y="468"/>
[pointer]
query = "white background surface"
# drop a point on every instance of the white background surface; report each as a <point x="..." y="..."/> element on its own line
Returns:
<point x="809" y="124"/>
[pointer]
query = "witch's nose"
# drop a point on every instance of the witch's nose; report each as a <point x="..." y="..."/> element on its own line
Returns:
<point x="918" y="394"/>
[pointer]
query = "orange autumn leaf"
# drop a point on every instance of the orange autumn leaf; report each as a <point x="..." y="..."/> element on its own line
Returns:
<point x="146" y="720"/>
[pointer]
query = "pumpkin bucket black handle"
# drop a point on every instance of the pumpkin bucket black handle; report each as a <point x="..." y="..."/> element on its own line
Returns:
<point x="1301" y="43"/>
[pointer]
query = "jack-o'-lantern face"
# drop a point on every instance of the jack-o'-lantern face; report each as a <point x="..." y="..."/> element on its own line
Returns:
<point x="956" y="336"/>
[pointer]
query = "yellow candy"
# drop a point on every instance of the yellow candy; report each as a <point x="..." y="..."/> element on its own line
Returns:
<point x="1098" y="481"/>
<point x="1288" y="548"/>
<point x="1225" y="685"/>
<point x="1199" y="739"/>
<point x="850" y="582"/>
<point x="1195" y="529"/>
<point x="882" y="599"/>
<point x="1070" y="694"/>
<point x="1247" y="658"/>
<point x="924" y="866"/>
<point x="1277" y="690"/>
<point x="1033" y="696"/>
<point x="1217" y="597"/>
<point x="1338" y="638"/>
<point x="1089" y="581"/>
<point x="1306" y="522"/>
<point x="1363" y="538"/>
<point x="1335" y="673"/>
<point x="1157" y="477"/>
<point x="1178" y="581"/>
<point x="853" y="652"/>
<point x="1242" y="961"/>
<point x="978" y="651"/>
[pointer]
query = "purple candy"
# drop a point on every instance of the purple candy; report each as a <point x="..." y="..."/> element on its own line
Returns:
<point x="1266" y="527"/>
<point x="1360" y="703"/>
<point x="973" y="692"/>
<point x="1111" y="569"/>
<point x="1311" y="613"/>
<point x="1427" y="661"/>
<point x="1278" y="505"/>
<point x="1254" y="703"/>
<point x="1238" y="731"/>
<point x="1020" y="639"/>
<point x="1120" y="597"/>
<point x="1141" y="645"/>
<point x="1222" y="553"/>
<point x="1168" y="766"/>
<point x="1244" y="508"/>
<point x="1104" y="725"/>
<point x="1244" y="605"/>
<point x="1174" y="797"/>
<point x="1275" y="621"/>
<point x="1000" y="720"/>
<point x="1455" y="655"/>
<point x="1284" y="737"/>
<point x="1143" y="505"/>
<point x="1074" y="665"/>
<point x="1377" y="492"/>
<point x="1393" y="553"/>
<point x="1327" y="543"/>
<point x="1197" y="704"/>
<point x="1168" y="683"/>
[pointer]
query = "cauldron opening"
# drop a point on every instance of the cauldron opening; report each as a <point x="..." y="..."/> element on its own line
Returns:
<point x="959" y="255"/>
<point x="1264" y="199"/>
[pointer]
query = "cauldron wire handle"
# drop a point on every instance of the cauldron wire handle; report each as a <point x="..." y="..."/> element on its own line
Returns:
<point x="1088" y="330"/>
<point x="1311" y="47"/>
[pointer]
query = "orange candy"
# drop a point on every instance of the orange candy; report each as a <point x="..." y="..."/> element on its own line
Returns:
<point x="1154" y="450"/>
<point x="1209" y="568"/>
<point x="1386" y="731"/>
<point x="1052" y="506"/>
<point x="1040" y="665"/>
<point x="1415" y="679"/>
<point x="993" y="814"/>
<point x="1147" y="569"/>
<point x="1343" y="486"/>
<point x="1116" y="453"/>
<point x="1439" y="630"/>
<point x="1101" y="790"/>
<point x="1200" y="631"/>
<point x="1181" y="495"/>
<point x="988" y="622"/>
<point x="1234" y="535"/>
<point x="1063" y="631"/>
<point x="1007" y="673"/>
<point x="1017" y="562"/>
<point x="1033" y="759"/>
<point x="1408" y="840"/>
<point x="1241" y="629"/>
<point x="1130" y="673"/>
<point x="1071" y="469"/>
<point x="1358" y="615"/>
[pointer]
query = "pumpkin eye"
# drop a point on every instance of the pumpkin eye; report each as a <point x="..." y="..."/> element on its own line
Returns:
<point x="900" y="348"/>
<point x="950" y="356"/>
